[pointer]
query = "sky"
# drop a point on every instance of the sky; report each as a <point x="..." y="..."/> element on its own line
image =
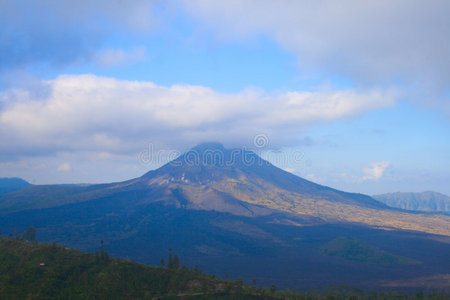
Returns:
<point x="350" y="94"/>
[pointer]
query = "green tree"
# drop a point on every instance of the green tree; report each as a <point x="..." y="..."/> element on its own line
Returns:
<point x="184" y="267"/>
<point x="176" y="262"/>
<point x="239" y="285"/>
<point x="29" y="235"/>
<point x="273" y="289"/>
<point x="103" y="255"/>
<point x="170" y="263"/>
<point x="418" y="295"/>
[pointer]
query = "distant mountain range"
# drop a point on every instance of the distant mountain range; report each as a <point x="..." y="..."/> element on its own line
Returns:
<point x="12" y="184"/>
<point x="231" y="212"/>
<point x="425" y="201"/>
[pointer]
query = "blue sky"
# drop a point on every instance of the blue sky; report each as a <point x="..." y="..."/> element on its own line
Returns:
<point x="350" y="94"/>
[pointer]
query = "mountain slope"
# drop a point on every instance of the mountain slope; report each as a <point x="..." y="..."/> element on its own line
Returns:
<point x="12" y="184"/>
<point x="425" y="201"/>
<point x="242" y="175"/>
<point x="281" y="249"/>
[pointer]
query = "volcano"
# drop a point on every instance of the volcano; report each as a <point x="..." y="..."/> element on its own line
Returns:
<point x="236" y="181"/>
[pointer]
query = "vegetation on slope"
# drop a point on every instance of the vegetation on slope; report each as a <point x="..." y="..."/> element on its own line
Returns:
<point x="353" y="249"/>
<point x="51" y="271"/>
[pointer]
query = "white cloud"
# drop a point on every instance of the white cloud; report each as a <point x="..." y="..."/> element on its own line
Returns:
<point x="315" y="178"/>
<point x="90" y="113"/>
<point x="310" y="106"/>
<point x="375" y="170"/>
<point x="290" y="170"/>
<point x="65" y="167"/>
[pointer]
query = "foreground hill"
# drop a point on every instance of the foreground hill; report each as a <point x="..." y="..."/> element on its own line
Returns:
<point x="12" y="184"/>
<point x="425" y="201"/>
<point x="229" y="211"/>
<point x="51" y="271"/>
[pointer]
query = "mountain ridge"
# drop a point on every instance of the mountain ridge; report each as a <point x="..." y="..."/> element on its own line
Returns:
<point x="428" y="201"/>
<point x="11" y="184"/>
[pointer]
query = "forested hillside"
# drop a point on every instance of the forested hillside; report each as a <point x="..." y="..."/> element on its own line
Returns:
<point x="51" y="271"/>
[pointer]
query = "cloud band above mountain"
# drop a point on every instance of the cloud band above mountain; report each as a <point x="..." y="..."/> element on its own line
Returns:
<point x="86" y="112"/>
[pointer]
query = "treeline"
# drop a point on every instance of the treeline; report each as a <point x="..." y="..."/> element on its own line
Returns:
<point x="31" y="270"/>
<point x="29" y="235"/>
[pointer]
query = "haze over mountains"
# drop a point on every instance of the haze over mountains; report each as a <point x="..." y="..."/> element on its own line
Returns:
<point x="223" y="208"/>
